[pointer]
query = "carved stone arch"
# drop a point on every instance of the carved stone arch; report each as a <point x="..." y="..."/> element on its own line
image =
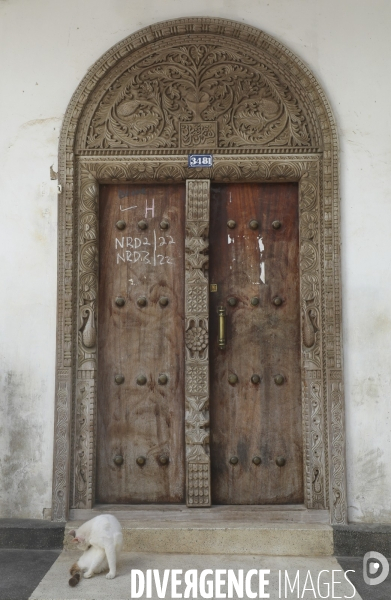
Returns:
<point x="197" y="84"/>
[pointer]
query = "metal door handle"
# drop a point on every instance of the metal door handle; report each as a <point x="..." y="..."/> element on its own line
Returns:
<point x="221" y="313"/>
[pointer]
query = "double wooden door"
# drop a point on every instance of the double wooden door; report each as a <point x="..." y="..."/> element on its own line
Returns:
<point x="255" y="392"/>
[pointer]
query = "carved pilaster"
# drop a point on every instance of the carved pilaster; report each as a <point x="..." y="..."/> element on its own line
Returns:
<point x="337" y="450"/>
<point x="197" y="344"/>
<point x="62" y="443"/>
<point x="310" y="282"/>
<point x="85" y="407"/>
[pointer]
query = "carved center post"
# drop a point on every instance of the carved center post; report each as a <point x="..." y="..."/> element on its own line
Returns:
<point x="197" y="344"/>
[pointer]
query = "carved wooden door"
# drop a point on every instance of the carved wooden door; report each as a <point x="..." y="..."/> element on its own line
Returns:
<point x="140" y="436"/>
<point x="255" y="390"/>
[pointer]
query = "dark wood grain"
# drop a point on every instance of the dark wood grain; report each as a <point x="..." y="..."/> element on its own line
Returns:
<point x="250" y="420"/>
<point x="135" y="420"/>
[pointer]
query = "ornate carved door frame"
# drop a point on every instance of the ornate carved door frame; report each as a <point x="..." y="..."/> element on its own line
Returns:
<point x="199" y="84"/>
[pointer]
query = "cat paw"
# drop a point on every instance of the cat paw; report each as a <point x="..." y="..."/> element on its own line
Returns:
<point x="110" y="575"/>
<point x="87" y="575"/>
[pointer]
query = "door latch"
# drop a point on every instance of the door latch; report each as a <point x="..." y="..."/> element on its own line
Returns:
<point x="222" y="312"/>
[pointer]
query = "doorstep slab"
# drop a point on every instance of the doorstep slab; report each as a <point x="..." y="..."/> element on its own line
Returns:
<point x="288" y="539"/>
<point x="278" y="539"/>
<point x="176" y="513"/>
<point x="290" y="530"/>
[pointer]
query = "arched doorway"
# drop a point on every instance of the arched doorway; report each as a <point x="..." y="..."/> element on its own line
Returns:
<point x="204" y="86"/>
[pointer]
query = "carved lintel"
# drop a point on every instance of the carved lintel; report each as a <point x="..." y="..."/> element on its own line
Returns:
<point x="197" y="343"/>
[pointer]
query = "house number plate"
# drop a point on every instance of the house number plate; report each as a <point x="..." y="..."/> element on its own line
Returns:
<point x="200" y="160"/>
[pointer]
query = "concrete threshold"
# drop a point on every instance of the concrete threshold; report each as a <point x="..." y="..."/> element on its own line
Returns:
<point x="260" y="530"/>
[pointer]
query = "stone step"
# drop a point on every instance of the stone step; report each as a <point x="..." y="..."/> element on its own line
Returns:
<point x="218" y="530"/>
<point x="174" y="513"/>
<point x="31" y="534"/>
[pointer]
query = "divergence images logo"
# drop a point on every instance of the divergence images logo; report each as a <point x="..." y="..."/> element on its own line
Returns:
<point x="371" y="566"/>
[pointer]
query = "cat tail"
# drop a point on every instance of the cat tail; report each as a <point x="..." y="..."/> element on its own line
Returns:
<point x="75" y="571"/>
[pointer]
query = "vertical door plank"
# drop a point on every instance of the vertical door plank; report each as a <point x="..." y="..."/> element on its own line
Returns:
<point x="256" y="420"/>
<point x="141" y="341"/>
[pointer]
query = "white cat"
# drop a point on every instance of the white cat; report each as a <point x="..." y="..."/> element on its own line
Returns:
<point x="101" y="540"/>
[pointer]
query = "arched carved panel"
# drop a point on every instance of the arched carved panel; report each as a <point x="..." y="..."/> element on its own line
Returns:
<point x="169" y="89"/>
<point x="196" y="93"/>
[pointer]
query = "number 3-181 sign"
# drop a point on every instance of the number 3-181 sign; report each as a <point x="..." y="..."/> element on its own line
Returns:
<point x="200" y="160"/>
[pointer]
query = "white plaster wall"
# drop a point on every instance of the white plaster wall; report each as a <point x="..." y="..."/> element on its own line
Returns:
<point x="46" y="47"/>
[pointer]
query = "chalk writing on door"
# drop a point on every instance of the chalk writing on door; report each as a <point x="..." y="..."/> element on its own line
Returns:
<point x="153" y="249"/>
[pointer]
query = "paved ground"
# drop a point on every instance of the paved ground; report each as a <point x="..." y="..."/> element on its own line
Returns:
<point x="43" y="575"/>
<point x="54" y="585"/>
<point x="367" y="592"/>
<point x="22" y="570"/>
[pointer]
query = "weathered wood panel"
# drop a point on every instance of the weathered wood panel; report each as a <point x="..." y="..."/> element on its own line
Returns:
<point x="256" y="419"/>
<point x="139" y="420"/>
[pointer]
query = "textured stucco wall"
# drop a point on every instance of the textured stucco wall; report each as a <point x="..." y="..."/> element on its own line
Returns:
<point x="46" y="47"/>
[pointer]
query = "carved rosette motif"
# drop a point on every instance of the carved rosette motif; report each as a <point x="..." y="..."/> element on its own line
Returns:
<point x="197" y="344"/>
<point x="152" y="102"/>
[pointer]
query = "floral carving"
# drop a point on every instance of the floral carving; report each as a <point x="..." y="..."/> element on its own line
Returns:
<point x="90" y="195"/>
<point x="309" y="287"/>
<point x="308" y="256"/>
<point x="317" y="454"/>
<point x="88" y="287"/>
<point x="308" y="194"/>
<point x="61" y="449"/>
<point x="177" y="95"/>
<point x="195" y="252"/>
<point x="196" y="338"/>
<point x="89" y="256"/>
<point x="88" y="227"/>
<point x="308" y="226"/>
<point x="81" y="463"/>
